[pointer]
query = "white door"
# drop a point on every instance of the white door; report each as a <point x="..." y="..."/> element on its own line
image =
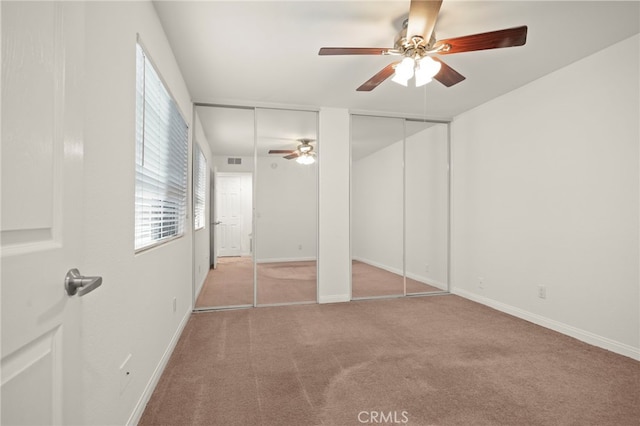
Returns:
<point x="229" y="214"/>
<point x="42" y="160"/>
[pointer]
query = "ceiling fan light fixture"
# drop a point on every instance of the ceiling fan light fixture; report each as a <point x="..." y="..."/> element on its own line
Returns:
<point x="426" y="69"/>
<point x="422" y="79"/>
<point x="402" y="81"/>
<point x="404" y="71"/>
<point x="306" y="159"/>
<point x="428" y="66"/>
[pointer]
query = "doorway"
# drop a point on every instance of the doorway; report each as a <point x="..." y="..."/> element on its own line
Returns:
<point x="232" y="204"/>
<point x="231" y="242"/>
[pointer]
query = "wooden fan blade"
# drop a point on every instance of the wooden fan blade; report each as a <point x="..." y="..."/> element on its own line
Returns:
<point x="492" y="40"/>
<point x="353" y="51"/>
<point x="281" y="151"/>
<point x="447" y="75"/>
<point x="296" y="154"/>
<point x="422" y="18"/>
<point x="381" y="76"/>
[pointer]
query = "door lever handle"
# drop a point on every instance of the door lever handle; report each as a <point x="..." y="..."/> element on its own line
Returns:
<point x="76" y="283"/>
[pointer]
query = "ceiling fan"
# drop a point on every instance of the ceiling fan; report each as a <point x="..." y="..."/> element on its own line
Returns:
<point x="303" y="154"/>
<point x="417" y="42"/>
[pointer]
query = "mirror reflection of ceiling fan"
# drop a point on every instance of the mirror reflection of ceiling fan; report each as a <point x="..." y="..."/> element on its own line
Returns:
<point x="417" y="42"/>
<point x="303" y="154"/>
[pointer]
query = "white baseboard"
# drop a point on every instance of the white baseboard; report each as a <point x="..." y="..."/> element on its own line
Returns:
<point x="286" y="259"/>
<point x="200" y="287"/>
<point x="425" y="280"/>
<point x="334" y="298"/>
<point x="136" y="415"/>
<point x="583" y="335"/>
<point x="428" y="280"/>
<point x="379" y="265"/>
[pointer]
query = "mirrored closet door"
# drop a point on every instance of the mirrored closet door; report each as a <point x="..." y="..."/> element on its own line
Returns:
<point x="286" y="206"/>
<point x="399" y="206"/>
<point x="230" y="135"/>
<point x="426" y="207"/>
<point x="263" y="231"/>
<point x="376" y="206"/>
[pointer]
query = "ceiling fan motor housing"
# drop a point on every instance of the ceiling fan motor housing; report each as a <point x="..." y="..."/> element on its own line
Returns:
<point x="414" y="47"/>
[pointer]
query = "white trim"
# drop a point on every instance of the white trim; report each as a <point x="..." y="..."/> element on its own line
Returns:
<point x="232" y="103"/>
<point x="138" y="410"/>
<point x="286" y="259"/>
<point x="404" y="116"/>
<point x="420" y="278"/>
<point x="427" y="280"/>
<point x="583" y="335"/>
<point x="379" y="265"/>
<point x="334" y="298"/>
<point x="199" y="288"/>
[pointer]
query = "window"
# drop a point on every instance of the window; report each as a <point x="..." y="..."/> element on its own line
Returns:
<point x="199" y="188"/>
<point x="161" y="159"/>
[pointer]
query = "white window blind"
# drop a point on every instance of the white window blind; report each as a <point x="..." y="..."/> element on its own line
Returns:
<point x="199" y="188"/>
<point x="161" y="159"/>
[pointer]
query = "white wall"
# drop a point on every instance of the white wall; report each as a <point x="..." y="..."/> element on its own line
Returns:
<point x="546" y="193"/>
<point x="427" y="206"/>
<point x="334" y="263"/>
<point x="132" y="312"/>
<point x="286" y="210"/>
<point x="377" y="208"/>
<point x="201" y="249"/>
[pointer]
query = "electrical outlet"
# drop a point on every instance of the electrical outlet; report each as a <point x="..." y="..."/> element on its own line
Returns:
<point x="125" y="373"/>
<point x="427" y="267"/>
<point x="175" y="304"/>
<point x="300" y="247"/>
<point x="542" y="292"/>
<point x="481" y="283"/>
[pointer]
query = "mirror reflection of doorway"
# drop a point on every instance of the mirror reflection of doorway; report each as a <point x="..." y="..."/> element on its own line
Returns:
<point x="231" y="280"/>
<point x="263" y="212"/>
<point x="230" y="135"/>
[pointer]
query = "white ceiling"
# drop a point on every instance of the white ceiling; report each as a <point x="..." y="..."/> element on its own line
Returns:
<point x="265" y="53"/>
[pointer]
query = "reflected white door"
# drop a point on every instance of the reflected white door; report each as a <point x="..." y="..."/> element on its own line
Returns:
<point x="229" y="214"/>
<point x="42" y="159"/>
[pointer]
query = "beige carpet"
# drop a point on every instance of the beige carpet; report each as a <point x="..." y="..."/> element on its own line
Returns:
<point x="287" y="282"/>
<point x="436" y="360"/>
<point x="231" y="284"/>
<point x="369" y="281"/>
